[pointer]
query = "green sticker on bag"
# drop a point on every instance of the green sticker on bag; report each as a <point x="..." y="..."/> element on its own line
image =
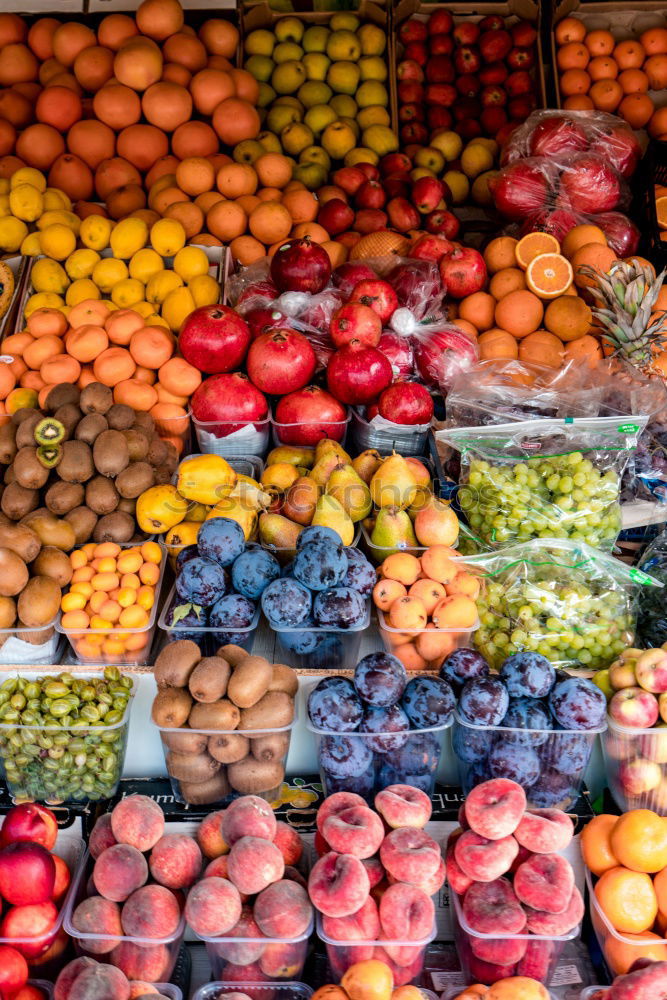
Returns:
<point x="628" y="429"/>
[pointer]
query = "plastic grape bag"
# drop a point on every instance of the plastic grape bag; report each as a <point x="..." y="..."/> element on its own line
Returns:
<point x="545" y="478"/>
<point x="563" y="599"/>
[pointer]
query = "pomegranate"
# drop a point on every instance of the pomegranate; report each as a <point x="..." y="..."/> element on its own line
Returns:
<point x="231" y="399"/>
<point x="309" y="415"/>
<point x="463" y="272"/>
<point x="590" y="185"/>
<point x="520" y="188"/>
<point x="443" y="354"/>
<point x="356" y="321"/>
<point x="357" y="374"/>
<point x="406" y="403"/>
<point x="398" y="351"/>
<point x="259" y="289"/>
<point x="320" y="309"/>
<point x="622" y="234"/>
<point x="280" y="361"/>
<point x="346" y="276"/>
<point x="416" y="284"/>
<point x="556" y="135"/>
<point x="557" y="221"/>
<point x="620" y="148"/>
<point x="300" y="266"/>
<point x="263" y="318"/>
<point x="377" y="294"/>
<point x="214" y="339"/>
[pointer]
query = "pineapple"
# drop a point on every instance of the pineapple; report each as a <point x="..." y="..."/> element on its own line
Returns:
<point x="626" y="297"/>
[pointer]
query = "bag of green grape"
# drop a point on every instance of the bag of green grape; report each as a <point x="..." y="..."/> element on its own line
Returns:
<point x="574" y="604"/>
<point x="556" y="478"/>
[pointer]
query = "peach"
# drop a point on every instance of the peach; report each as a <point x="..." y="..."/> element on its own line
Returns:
<point x="457" y="878"/>
<point x="151" y="962"/>
<point x="139" y="821"/>
<point x="369" y="980"/>
<point x="545" y="831"/>
<point x="545" y="882"/>
<point x="98" y="916"/>
<point x="252" y="973"/>
<point x="288" y="842"/>
<point x="30" y="821"/>
<point x="484" y="860"/>
<point x="403" y="805"/>
<point x="104" y="982"/>
<point x="27" y="874"/>
<point x="63" y="879"/>
<point x="401" y="566"/>
<point x="119" y="871"/>
<point x="431" y="884"/>
<point x="66" y="977"/>
<point x="151" y="912"/>
<point x="213" y="907"/>
<point x="536" y="963"/>
<point x="556" y="924"/>
<point x="338" y="884"/>
<point x="248" y="816"/>
<point x="334" y="804"/>
<point x="283" y="909"/>
<point x="406" y="914"/>
<point x="500" y="951"/>
<point x="494" y="808"/>
<point x="487" y="971"/>
<point x="283" y="961"/>
<point x="175" y="861"/>
<point x="402" y="974"/>
<point x="409" y="853"/>
<point x="217" y="867"/>
<point x="358" y="831"/>
<point x="254" y="863"/>
<point x="364" y="925"/>
<point x="294" y="875"/>
<point x="493" y="908"/>
<point x="243" y="952"/>
<point x="374" y="870"/>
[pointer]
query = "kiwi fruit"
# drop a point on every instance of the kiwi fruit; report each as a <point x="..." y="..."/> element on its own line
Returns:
<point x="134" y="480"/>
<point x="8" y="443"/>
<point x="28" y="470"/>
<point x="273" y="710"/>
<point x="143" y="421"/>
<point x="284" y="679"/>
<point x="25" y="431"/>
<point x="8" y="613"/>
<point x="52" y="531"/>
<point x="228" y="748"/>
<point x="76" y="464"/>
<point x="49" y="431"/>
<point x="96" y="398"/>
<point x="83" y="521"/>
<point x="117" y="527"/>
<point x="175" y="663"/>
<point x="62" y="395"/>
<point x="13" y="574"/>
<point x="250" y="681"/>
<point x="273" y="746"/>
<point x="49" y="455"/>
<point x="127" y="506"/>
<point x="171" y="707"/>
<point x="163" y="475"/>
<point x="137" y="443"/>
<point x="17" y="501"/>
<point x="172" y="459"/>
<point x="120" y="417"/>
<point x="53" y="562"/>
<point x="101" y="495"/>
<point x="250" y="776"/>
<point x="220" y="715"/>
<point x="233" y="654"/>
<point x="69" y="416"/>
<point x="110" y="453"/>
<point x="9" y="476"/>
<point x="202" y="793"/>
<point x="157" y="451"/>
<point x="208" y="681"/>
<point x="185" y="741"/>
<point x="61" y="498"/>
<point x="39" y="602"/>
<point x="191" y="767"/>
<point x="20" y="539"/>
<point x="89" y="428"/>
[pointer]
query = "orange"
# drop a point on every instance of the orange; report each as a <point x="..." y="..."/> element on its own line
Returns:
<point x="465" y="325"/>
<point x="591" y="255"/>
<point x="541" y="348"/>
<point x="301" y="205"/>
<point x="578" y="102"/>
<point x="596" y="844"/>
<point x="533" y="244"/>
<point x="600" y="42"/>
<point x="508" y="279"/>
<point x="621" y="955"/>
<point x="628" y="900"/>
<point x="519" y="312"/>
<point x="152" y="346"/>
<point x="633" y="81"/>
<point x="574" y="55"/>
<point x="606" y="95"/>
<point x="311" y="230"/>
<point x="578" y="236"/>
<point x="549" y="275"/>
<point x="478" y="309"/>
<point x="270" y="222"/>
<point x="575" y="81"/>
<point x="497" y="345"/>
<point x="656" y="71"/>
<point x="654" y="41"/>
<point x="629" y="54"/>
<point x="636" y="109"/>
<point x="273" y="170"/>
<point x="602" y="68"/>
<point x="236" y="179"/>
<point x="568" y="317"/>
<point x="639" y="841"/>
<point x="226" y="220"/>
<point x="500" y="253"/>
<point x="658" y="123"/>
<point x="570" y="29"/>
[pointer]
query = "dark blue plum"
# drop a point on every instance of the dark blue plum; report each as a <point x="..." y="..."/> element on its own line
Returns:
<point x="420" y="755"/>
<point x="471" y="745"/>
<point x="475" y="775"/>
<point x="527" y="713"/>
<point x="202" y="582"/>
<point x="301" y="642"/>
<point x="183" y="617"/>
<point x="517" y="763"/>
<point x="577" y="703"/>
<point x="391" y="775"/>
<point x="428" y="702"/>
<point x="335" y="706"/>
<point x="361" y="575"/>
<point x="554" y="789"/>
<point x="463" y="665"/>
<point x="528" y="675"/>
<point x="286" y="603"/>
<point x="484" y="701"/>
<point x="320" y="565"/>
<point x="288" y="569"/>
<point x="253" y="571"/>
<point x="386" y="720"/>
<point x="380" y="679"/>
<point x="221" y="540"/>
<point x="345" y="756"/>
<point x="232" y="612"/>
<point x="362" y="784"/>
<point x="339" y="607"/>
<point x="317" y="533"/>
<point x="568" y="753"/>
<point x="185" y="555"/>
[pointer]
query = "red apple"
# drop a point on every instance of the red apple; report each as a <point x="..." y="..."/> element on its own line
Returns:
<point x="466" y="33"/>
<point x="622" y="235"/>
<point x="495" y="72"/>
<point x="467" y="59"/>
<point x="431" y="248"/>
<point x="398" y="351"/>
<point x="441" y="45"/>
<point x="442" y="354"/>
<point x="521" y="107"/>
<point x="406" y="403"/>
<point x="357" y="374"/>
<point x="308" y="415"/>
<point x="265" y="318"/>
<point x="519" y="82"/>
<point x="492" y="119"/>
<point x="395" y="163"/>
<point x="229" y="402"/>
<point x="409" y="69"/>
<point x="504" y="133"/>
<point x="408" y="93"/>
<point x="440" y="22"/>
<point x="347" y="275"/>
<point x="413" y="31"/>
<point x="441" y="94"/>
<point x="335" y="216"/>
<point x="32" y="823"/>
<point x="468" y="85"/>
<point x="370" y="220"/>
<point x="466" y="108"/>
<point x="520" y="188"/>
<point x="379" y="296"/>
<point x="493" y="96"/>
<point x="443" y="222"/>
<point x="301" y="266"/>
<point x="414" y="132"/>
<point x="349" y="179"/>
<point x="590" y="185"/>
<point x="356" y="321"/>
<point x="427" y="192"/>
<point x="370" y="170"/>
<point x="634" y="707"/>
<point x="34" y="921"/>
<point x="13" y="971"/>
<point x="619" y="145"/>
<point x="416" y="51"/>
<point x="370" y="195"/>
<point x="396" y="185"/>
<point x="214" y="339"/>
<point x="523" y="33"/>
<point x="411" y="113"/>
<point x="280" y="361"/>
<point x="402" y="215"/>
<point x="463" y="272"/>
<point x="519" y="58"/>
<point x="439" y="118"/>
<point x="27" y="874"/>
<point x="440" y="69"/>
<point x="495" y="44"/>
<point x="468" y="129"/>
<point x="492" y="22"/>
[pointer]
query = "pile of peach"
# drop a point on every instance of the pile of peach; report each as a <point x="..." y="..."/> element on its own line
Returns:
<point x="504" y="865"/>
<point x="375" y="887"/>
<point x="427" y="602"/>
<point x="597" y="72"/>
<point x="95" y="344"/>
<point x="251" y="890"/>
<point x="84" y="977"/>
<point x="111" y="594"/>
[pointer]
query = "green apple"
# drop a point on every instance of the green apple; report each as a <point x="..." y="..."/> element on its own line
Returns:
<point x="380" y="139"/>
<point x="373" y="68"/>
<point x="259" y="43"/>
<point x="314" y="92"/>
<point x="295" y="137"/>
<point x="316" y="64"/>
<point x="360" y="154"/>
<point x="289" y="101"/>
<point x="315" y="154"/>
<point x="315" y="38"/>
<point x="289" y="29"/>
<point x="343" y="77"/>
<point x="449" y="143"/>
<point x="344" y="106"/>
<point x="430" y="158"/>
<point x="288" y="77"/>
<point x="285" y="51"/>
<point x="344" y="21"/>
<point x="372" y="39"/>
<point x="313" y="175"/>
<point x="319" y="116"/>
<point x="261" y="67"/>
<point x="266" y="95"/>
<point x="279" y="117"/>
<point x="352" y="122"/>
<point x="270" y="142"/>
<point x="372" y="92"/>
<point x="343" y="45"/>
<point x="373" y="115"/>
<point x="338" y="139"/>
<point x="458" y="184"/>
<point x="248" y="151"/>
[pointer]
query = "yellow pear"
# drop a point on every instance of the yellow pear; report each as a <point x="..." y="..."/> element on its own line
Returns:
<point x="329" y="513"/>
<point x="393" y="485"/>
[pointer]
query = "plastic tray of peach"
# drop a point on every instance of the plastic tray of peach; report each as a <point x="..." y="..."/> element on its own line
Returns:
<point x="407" y="956"/>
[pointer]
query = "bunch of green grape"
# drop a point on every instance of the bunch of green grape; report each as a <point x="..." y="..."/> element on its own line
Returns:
<point x="560" y="496"/>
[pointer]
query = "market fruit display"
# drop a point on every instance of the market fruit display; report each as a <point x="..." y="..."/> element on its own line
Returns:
<point x="207" y="709"/>
<point x="84" y="975"/>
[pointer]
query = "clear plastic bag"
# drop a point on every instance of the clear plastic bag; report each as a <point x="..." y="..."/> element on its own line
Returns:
<point x="441" y="350"/>
<point x="567" y="601"/>
<point x="545" y="478"/>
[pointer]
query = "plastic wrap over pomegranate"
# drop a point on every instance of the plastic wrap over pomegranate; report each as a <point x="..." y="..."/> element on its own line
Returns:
<point x="442" y="352"/>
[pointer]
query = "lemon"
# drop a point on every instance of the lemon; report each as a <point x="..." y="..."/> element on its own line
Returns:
<point x="12" y="233"/>
<point x="43" y="300"/>
<point x="58" y="241"/>
<point x="144" y="309"/>
<point x="191" y="262"/>
<point x="177" y="305"/>
<point x="31" y="246"/>
<point x="205" y="290"/>
<point x="81" y="289"/>
<point x="108" y="272"/>
<point x="126" y="292"/>
<point x="153" y="319"/>
<point x="25" y="202"/>
<point x="167" y="237"/>
<point x="56" y="201"/>
<point x="80" y="264"/>
<point x="95" y="232"/>
<point x="60" y="218"/>
<point x="28" y="175"/>
<point x="127" y="237"/>
<point x="145" y="263"/>
<point x="49" y="276"/>
<point x="161" y="284"/>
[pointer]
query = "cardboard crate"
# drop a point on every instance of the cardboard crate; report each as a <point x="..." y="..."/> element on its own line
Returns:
<point x="209" y="7"/>
<point x="64" y="7"/>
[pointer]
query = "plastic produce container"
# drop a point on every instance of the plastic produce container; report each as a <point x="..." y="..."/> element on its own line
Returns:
<point x="620" y="951"/>
<point x="207" y="638"/>
<point x="378" y="553"/>
<point x="594" y="993"/>
<point x="285" y="554"/>
<point x="221" y="951"/>
<point x="342" y="954"/>
<point x="281" y="732"/>
<point x="405" y="440"/>
<point x="230" y="440"/>
<point x="30" y="646"/>
<point x="158" y="954"/>
<point x="178" y="428"/>
<point x="543" y="952"/>
<point x="554" y="761"/>
<point x="635" y="759"/>
<point x="258" y="991"/>
<point x="320" y="647"/>
<point x="52" y="778"/>
<point x="292" y="434"/>
<point x="453" y="638"/>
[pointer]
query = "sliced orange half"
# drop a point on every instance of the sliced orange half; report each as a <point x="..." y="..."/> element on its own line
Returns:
<point x="661" y="211"/>
<point x="549" y="275"/>
<point x="532" y="245"/>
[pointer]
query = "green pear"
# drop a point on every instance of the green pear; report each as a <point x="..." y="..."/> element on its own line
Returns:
<point x="329" y="513"/>
<point x="314" y="92"/>
<point x="315" y="38"/>
<point x="286" y="51"/>
<point x="351" y="492"/>
<point x="326" y="445"/>
<point x="367" y="463"/>
<point x="274" y="529"/>
<point x="323" y="468"/>
<point x="302" y="458"/>
<point x="279" y="117"/>
<point x="393" y="484"/>
<point x="393" y="532"/>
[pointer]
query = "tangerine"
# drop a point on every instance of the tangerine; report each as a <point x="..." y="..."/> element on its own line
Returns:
<point x="639" y="841"/>
<point x="519" y="312"/>
<point x="596" y="846"/>
<point x="116" y="29"/>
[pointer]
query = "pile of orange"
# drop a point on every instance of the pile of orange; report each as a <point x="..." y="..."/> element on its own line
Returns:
<point x="628" y="855"/>
<point x="598" y="72"/>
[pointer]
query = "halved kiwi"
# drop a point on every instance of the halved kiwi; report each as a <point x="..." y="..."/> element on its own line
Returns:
<point x="49" y="431"/>
<point x="49" y="455"/>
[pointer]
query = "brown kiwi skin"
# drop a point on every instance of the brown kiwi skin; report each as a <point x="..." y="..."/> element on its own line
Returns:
<point x="17" y="501"/>
<point x="101" y="495"/>
<point x="120" y="417"/>
<point x="62" y="395"/>
<point x="175" y="663"/>
<point x="20" y="539"/>
<point x="219" y="715"/>
<point x="273" y="746"/>
<point x="183" y="742"/>
<point x="62" y="497"/>
<point x="134" y="480"/>
<point x="69" y="416"/>
<point x="191" y="767"/>
<point x="89" y="428"/>
<point x="144" y="422"/>
<point x="96" y="398"/>
<point x="250" y="776"/>
<point x="76" y="464"/>
<point x="117" y="527"/>
<point x="13" y="573"/>
<point x="25" y="432"/>
<point x="8" y="617"/>
<point x="228" y="748"/>
<point x="203" y="793"/>
<point x="137" y="443"/>
<point x="110" y="453"/>
<point x="127" y="506"/>
<point x="157" y="451"/>
<point x="171" y="707"/>
<point x="8" y="443"/>
<point x="83" y="521"/>
<point x="273" y="710"/>
<point x="233" y="654"/>
<point x="10" y="475"/>
<point x="53" y="562"/>
<point x="163" y="475"/>
<point x="208" y="681"/>
<point x="28" y="470"/>
<point x="284" y="679"/>
<point x="39" y="601"/>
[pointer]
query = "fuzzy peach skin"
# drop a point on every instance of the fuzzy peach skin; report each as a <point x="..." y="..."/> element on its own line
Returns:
<point x="402" y="805"/>
<point x="338" y="884"/>
<point x="494" y="809"/>
<point x="248" y="816"/>
<point x="410" y="854"/>
<point x="484" y="860"/>
<point x="357" y="830"/>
